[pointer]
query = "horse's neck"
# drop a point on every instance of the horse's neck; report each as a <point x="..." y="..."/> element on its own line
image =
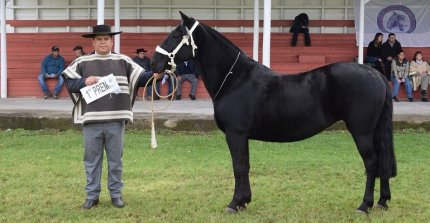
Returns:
<point x="216" y="59"/>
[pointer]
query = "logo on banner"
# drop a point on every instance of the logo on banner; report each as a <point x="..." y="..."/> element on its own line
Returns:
<point x="396" y="19"/>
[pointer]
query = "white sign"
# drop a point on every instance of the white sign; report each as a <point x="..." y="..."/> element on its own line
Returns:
<point x="408" y="19"/>
<point x="104" y="86"/>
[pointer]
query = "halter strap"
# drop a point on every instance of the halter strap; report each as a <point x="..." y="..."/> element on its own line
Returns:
<point x="179" y="46"/>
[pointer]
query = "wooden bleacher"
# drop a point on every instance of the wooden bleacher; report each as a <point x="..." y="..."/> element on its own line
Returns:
<point x="26" y="51"/>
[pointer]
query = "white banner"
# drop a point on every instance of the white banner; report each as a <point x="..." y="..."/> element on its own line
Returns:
<point x="408" y="19"/>
<point x="104" y="86"/>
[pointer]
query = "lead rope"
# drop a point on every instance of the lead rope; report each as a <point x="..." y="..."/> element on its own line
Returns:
<point x="222" y="84"/>
<point x="152" y="108"/>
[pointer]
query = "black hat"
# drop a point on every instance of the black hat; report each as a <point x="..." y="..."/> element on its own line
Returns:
<point x="101" y="30"/>
<point x="77" y="48"/>
<point x="141" y="50"/>
<point x="55" y="48"/>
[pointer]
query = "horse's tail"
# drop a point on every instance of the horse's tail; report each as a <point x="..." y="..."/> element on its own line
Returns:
<point x="383" y="139"/>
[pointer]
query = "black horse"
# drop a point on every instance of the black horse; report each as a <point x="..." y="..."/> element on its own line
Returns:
<point x="252" y="102"/>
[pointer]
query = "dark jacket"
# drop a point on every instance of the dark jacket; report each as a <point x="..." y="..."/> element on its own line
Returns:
<point x="145" y="63"/>
<point x="299" y="21"/>
<point x="189" y="68"/>
<point x="374" y="51"/>
<point x="388" y="51"/>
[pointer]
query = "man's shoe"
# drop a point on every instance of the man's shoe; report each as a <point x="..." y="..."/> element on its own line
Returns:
<point x="55" y="96"/>
<point x="424" y="99"/>
<point x="192" y="97"/>
<point x="45" y="96"/>
<point x="178" y="97"/>
<point x="90" y="203"/>
<point x="117" y="202"/>
<point x="395" y="99"/>
<point x="410" y="99"/>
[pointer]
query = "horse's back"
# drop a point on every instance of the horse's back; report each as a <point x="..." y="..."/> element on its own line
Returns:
<point x="295" y="107"/>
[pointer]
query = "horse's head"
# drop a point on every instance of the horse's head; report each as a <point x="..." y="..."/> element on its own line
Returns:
<point x="396" y="21"/>
<point x="172" y="50"/>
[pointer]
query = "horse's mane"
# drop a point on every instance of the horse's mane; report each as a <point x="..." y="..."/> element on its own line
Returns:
<point x="218" y="35"/>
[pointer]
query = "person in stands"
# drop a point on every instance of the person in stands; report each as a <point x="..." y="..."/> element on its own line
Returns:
<point x="390" y="49"/>
<point x="187" y="71"/>
<point x="420" y="74"/>
<point x="300" y="25"/>
<point x="145" y="63"/>
<point x="52" y="67"/>
<point x="79" y="51"/>
<point x="374" y="52"/>
<point x="400" y="72"/>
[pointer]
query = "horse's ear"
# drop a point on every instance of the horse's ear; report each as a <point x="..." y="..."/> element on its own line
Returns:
<point x="185" y="19"/>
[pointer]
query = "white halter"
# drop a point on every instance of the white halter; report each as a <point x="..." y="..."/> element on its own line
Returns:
<point x="184" y="41"/>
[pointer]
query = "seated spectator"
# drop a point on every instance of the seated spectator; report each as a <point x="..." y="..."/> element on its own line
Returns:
<point x="79" y="51"/>
<point x="374" y="50"/>
<point x="400" y="72"/>
<point x="390" y="50"/>
<point x="420" y="72"/>
<point x="187" y="71"/>
<point x="52" y="67"/>
<point x="300" y="25"/>
<point x="145" y="63"/>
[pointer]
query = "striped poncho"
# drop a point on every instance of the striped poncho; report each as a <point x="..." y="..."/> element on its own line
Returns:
<point x="111" y="107"/>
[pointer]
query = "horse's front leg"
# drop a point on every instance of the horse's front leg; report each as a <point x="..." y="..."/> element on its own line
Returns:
<point x="239" y="150"/>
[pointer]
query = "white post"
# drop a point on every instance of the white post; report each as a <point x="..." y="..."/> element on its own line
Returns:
<point x="100" y="12"/>
<point x="3" y="62"/>
<point x="117" y="26"/>
<point x="361" y="33"/>
<point x="256" y="30"/>
<point x="266" y="32"/>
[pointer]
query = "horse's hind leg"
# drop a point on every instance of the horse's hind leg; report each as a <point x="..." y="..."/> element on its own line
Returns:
<point x="365" y="148"/>
<point x="385" y="194"/>
<point x="238" y="145"/>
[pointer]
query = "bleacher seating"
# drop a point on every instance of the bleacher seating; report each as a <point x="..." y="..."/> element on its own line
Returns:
<point x="26" y="51"/>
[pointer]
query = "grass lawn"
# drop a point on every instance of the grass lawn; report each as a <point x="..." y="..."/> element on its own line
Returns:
<point x="189" y="178"/>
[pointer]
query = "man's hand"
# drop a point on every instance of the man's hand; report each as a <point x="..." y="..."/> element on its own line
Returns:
<point x="91" y="80"/>
<point x="158" y="76"/>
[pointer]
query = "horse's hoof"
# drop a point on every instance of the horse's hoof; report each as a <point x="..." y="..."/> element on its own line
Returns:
<point x="230" y="210"/>
<point x="382" y="206"/>
<point x="362" y="212"/>
<point x="242" y="208"/>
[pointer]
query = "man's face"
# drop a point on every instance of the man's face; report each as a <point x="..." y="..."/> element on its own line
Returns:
<point x="141" y="54"/>
<point x="103" y="44"/>
<point x="401" y="56"/>
<point x="55" y="53"/>
<point x="392" y="39"/>
<point x="78" y="52"/>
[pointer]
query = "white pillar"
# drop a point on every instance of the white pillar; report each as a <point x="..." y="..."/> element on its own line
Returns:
<point x="117" y="26"/>
<point x="256" y="30"/>
<point x="3" y="55"/>
<point x="266" y="32"/>
<point x="100" y="12"/>
<point x="361" y="33"/>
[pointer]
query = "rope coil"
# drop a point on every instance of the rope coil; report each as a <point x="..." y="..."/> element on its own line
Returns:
<point x="152" y="108"/>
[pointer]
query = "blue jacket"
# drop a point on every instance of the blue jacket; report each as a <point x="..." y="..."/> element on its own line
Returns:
<point x="52" y="65"/>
